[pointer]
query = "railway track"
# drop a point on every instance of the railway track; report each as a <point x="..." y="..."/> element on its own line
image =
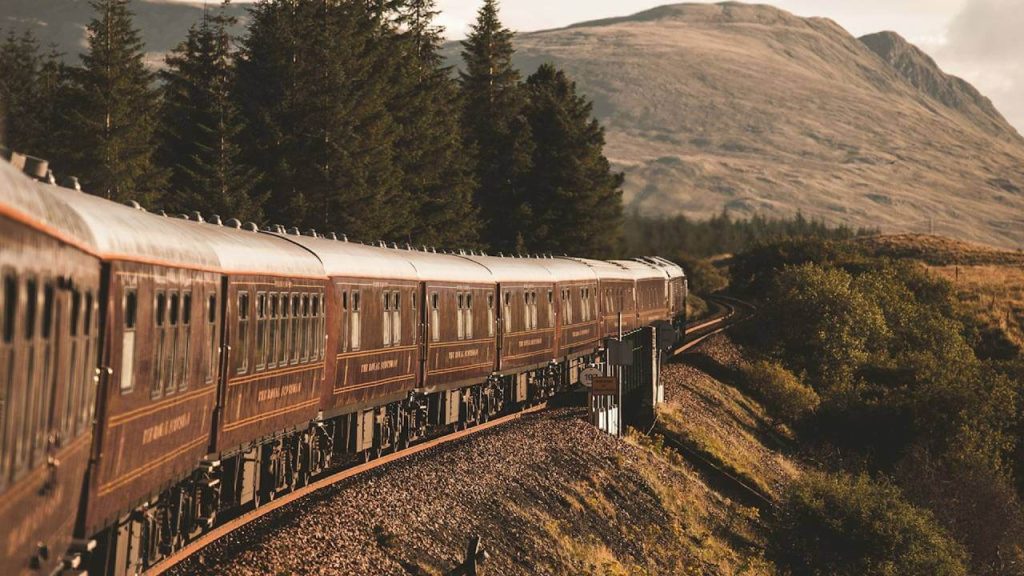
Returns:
<point x="731" y="311"/>
<point x="223" y="530"/>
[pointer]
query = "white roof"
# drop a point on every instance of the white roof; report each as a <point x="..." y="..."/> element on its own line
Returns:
<point x="355" y="260"/>
<point x="640" y="270"/>
<point x="565" y="270"/>
<point x="41" y="206"/>
<point x="671" y="269"/>
<point x="604" y="270"/>
<point x="507" y="269"/>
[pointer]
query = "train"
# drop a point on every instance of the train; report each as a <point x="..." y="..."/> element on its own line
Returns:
<point x="160" y="374"/>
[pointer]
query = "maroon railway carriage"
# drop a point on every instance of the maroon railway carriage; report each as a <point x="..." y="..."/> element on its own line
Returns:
<point x="159" y="369"/>
<point x="49" y="285"/>
<point x="527" y="343"/>
<point x="651" y="293"/>
<point x="616" y="297"/>
<point x="676" y="290"/>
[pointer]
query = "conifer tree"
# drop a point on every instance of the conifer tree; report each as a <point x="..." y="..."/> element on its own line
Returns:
<point x="437" y="170"/>
<point x="200" y="126"/>
<point x="575" y="198"/>
<point x="311" y="84"/>
<point x="116" y="111"/>
<point x="496" y="130"/>
<point x="34" y="86"/>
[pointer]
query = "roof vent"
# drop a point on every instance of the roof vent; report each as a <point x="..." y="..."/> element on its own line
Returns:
<point x="197" y="217"/>
<point x="382" y="244"/>
<point x="215" y="219"/>
<point x="72" y="183"/>
<point x="183" y="216"/>
<point x="234" y="223"/>
<point x="163" y="213"/>
<point x="407" y="246"/>
<point x="35" y="168"/>
<point x="312" y="232"/>
<point x="251" y="227"/>
<point x="333" y="236"/>
<point x="294" y="231"/>
<point x="344" y="238"/>
<point x="277" y="228"/>
<point x="434" y="250"/>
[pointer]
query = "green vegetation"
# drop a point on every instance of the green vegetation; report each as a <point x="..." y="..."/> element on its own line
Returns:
<point x="786" y="398"/>
<point x="330" y="115"/>
<point x="904" y="391"/>
<point x="840" y="525"/>
<point x="679" y="237"/>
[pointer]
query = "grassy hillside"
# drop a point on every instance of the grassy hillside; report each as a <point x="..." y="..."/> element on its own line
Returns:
<point x="753" y="109"/>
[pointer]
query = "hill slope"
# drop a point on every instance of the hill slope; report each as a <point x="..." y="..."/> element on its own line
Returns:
<point x="753" y="109"/>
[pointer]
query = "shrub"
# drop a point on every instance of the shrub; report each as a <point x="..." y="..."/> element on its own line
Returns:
<point x="702" y="276"/>
<point x="840" y="525"/>
<point x="783" y="394"/>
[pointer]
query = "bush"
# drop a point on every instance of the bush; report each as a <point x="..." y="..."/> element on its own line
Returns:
<point x="702" y="276"/>
<point x="840" y="525"/>
<point x="783" y="394"/>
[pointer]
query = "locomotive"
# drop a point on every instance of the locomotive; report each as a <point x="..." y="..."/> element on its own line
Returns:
<point x="160" y="374"/>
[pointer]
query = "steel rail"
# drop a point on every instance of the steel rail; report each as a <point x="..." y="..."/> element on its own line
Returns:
<point x="223" y="530"/>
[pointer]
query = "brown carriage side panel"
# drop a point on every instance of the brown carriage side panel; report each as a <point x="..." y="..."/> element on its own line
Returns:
<point x="579" y="325"/>
<point x="461" y="331"/>
<point x="528" y="327"/>
<point x="37" y="501"/>
<point x="161" y="347"/>
<point x="376" y="355"/>
<point x="276" y="358"/>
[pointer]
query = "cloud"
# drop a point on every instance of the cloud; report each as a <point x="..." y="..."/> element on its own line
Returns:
<point x="985" y="45"/>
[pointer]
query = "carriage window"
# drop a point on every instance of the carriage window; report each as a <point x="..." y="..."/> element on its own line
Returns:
<point x="88" y="314"/>
<point x="551" y="308"/>
<point x="76" y="311"/>
<point x="243" y="332"/>
<point x="282" y="332"/>
<point x="490" y="314"/>
<point x="47" y="327"/>
<point x="307" y="328"/>
<point x="130" y="315"/>
<point x="186" y="335"/>
<point x="160" y="311"/>
<point x="30" y="309"/>
<point x="506" y="314"/>
<point x="354" y="322"/>
<point x="344" y="300"/>
<point x="435" y="318"/>
<point x="211" y="327"/>
<point x="396" y="322"/>
<point x="9" y="307"/>
<point x="174" y="309"/>
<point x="295" y="323"/>
<point x="533" y="308"/>
<point x="386" y="318"/>
<point x="172" y="366"/>
<point x="261" y="329"/>
<point x="460" y="318"/>
<point x="272" y="336"/>
<point x="469" y="316"/>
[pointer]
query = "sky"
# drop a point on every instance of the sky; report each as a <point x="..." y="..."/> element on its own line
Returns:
<point x="981" y="41"/>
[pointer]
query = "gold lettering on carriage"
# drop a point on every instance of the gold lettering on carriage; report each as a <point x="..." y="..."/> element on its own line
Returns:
<point x="279" y="392"/>
<point x="460" y="354"/>
<point x="169" y="426"/>
<point x="378" y="366"/>
<point x="530" y="342"/>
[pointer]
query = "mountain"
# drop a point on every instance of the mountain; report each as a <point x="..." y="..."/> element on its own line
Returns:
<point x="62" y="23"/>
<point x="742" y="107"/>
<point x="917" y="68"/>
<point x="753" y="109"/>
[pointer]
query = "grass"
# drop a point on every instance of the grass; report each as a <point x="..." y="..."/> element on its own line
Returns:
<point x="994" y="294"/>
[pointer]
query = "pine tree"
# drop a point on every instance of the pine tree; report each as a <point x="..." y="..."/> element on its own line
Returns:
<point x="496" y="130"/>
<point x="575" y="198"/>
<point x="19" y="72"/>
<point x="437" y="170"/>
<point x="200" y="126"/>
<point x="116" y="110"/>
<point x="313" y="84"/>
